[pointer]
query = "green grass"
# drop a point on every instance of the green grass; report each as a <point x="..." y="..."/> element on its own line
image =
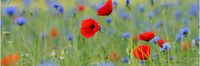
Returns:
<point x="89" y="52"/>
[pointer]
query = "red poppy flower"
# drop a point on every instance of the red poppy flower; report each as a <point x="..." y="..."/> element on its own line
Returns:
<point x="11" y="59"/>
<point x="80" y="7"/>
<point x="161" y="42"/>
<point x="106" y="9"/>
<point x="142" y="52"/>
<point x="89" y="27"/>
<point x="54" y="32"/>
<point x="147" y="36"/>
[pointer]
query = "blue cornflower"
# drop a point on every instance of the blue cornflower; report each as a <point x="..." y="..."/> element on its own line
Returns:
<point x="58" y="8"/>
<point x="123" y="15"/>
<point x="70" y="37"/>
<point x="141" y="8"/>
<point x="48" y="63"/>
<point x="142" y="62"/>
<point x="150" y="15"/>
<point x="126" y="35"/>
<point x="26" y="2"/>
<point x="125" y="59"/>
<point x="155" y="39"/>
<point x="166" y="47"/>
<point x="115" y="3"/>
<point x="179" y="37"/>
<point x="198" y="38"/>
<point x="177" y="14"/>
<point x="171" y="57"/>
<point x="20" y="21"/>
<point x="105" y="64"/>
<point x="48" y="2"/>
<point x="159" y="24"/>
<point x="127" y="2"/>
<point x="156" y="11"/>
<point x="194" y="10"/>
<point x="10" y="11"/>
<point x="184" y="31"/>
<point x="108" y="20"/>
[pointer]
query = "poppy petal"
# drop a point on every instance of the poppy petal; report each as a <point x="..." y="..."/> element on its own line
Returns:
<point x="106" y="9"/>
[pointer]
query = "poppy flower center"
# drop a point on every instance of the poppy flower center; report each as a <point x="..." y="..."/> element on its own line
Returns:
<point x="92" y="26"/>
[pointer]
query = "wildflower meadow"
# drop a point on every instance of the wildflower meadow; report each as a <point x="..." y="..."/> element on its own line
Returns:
<point x="99" y="33"/>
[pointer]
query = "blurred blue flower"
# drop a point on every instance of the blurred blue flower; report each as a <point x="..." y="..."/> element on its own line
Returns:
<point x="58" y="8"/>
<point x="70" y="37"/>
<point x="194" y="10"/>
<point x="159" y="24"/>
<point x="115" y="3"/>
<point x="126" y="35"/>
<point x="177" y="14"/>
<point x="166" y="47"/>
<point x="105" y="64"/>
<point x="26" y="2"/>
<point x="184" y="31"/>
<point x="48" y="2"/>
<point x="150" y="15"/>
<point x="123" y="15"/>
<point x="125" y="59"/>
<point x="20" y="21"/>
<point x="108" y="20"/>
<point x="155" y="39"/>
<point x="156" y="11"/>
<point x="127" y="2"/>
<point x="10" y="11"/>
<point x="171" y="57"/>
<point x="198" y="38"/>
<point x="142" y="62"/>
<point x="48" y="63"/>
<point x="141" y="8"/>
<point x="179" y="37"/>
